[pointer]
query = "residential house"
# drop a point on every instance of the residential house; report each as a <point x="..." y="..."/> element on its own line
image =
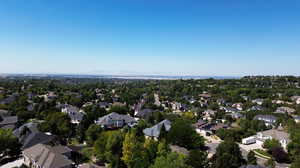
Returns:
<point x="199" y="125"/>
<point x="8" y="122"/>
<point x="205" y="96"/>
<point x="156" y="100"/>
<point x="154" y="132"/>
<point x="145" y="113"/>
<point x="4" y="113"/>
<point x="115" y="120"/>
<point x="236" y="115"/>
<point x="238" y="106"/>
<point x="296" y="99"/>
<point x="258" y="101"/>
<point x="45" y="156"/>
<point x="279" y="135"/>
<point x="75" y="114"/>
<point x="297" y="119"/>
<point x="229" y="109"/>
<point x="208" y="114"/>
<point x="29" y="135"/>
<point x="261" y="137"/>
<point x="269" y="120"/>
<point x="221" y="101"/>
<point x="208" y="128"/>
<point x="104" y="105"/>
<point x="48" y="96"/>
<point x="255" y="108"/>
<point x="283" y="110"/>
<point x="9" y="99"/>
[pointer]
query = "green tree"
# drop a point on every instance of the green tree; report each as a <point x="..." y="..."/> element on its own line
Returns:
<point x="183" y="134"/>
<point x="228" y="153"/>
<point x="10" y="146"/>
<point x="163" y="148"/>
<point x="113" y="149"/>
<point x="171" y="160"/>
<point x="271" y="143"/>
<point x="58" y="124"/>
<point x="134" y="155"/>
<point x="92" y="133"/>
<point x="151" y="147"/>
<point x="296" y="162"/>
<point x="197" y="159"/>
<point x="251" y="159"/>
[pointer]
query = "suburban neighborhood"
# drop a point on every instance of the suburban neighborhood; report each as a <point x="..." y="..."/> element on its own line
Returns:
<point x="110" y="123"/>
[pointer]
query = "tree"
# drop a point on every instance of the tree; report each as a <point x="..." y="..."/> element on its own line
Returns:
<point x="228" y="153"/>
<point x="151" y="147"/>
<point x="197" y="159"/>
<point x="57" y="123"/>
<point x="171" y="160"/>
<point x="92" y="133"/>
<point x="280" y="155"/>
<point x="10" y="146"/>
<point x="251" y="159"/>
<point x="182" y="134"/>
<point x="296" y="162"/>
<point x="163" y="148"/>
<point x="119" y="109"/>
<point x="271" y="143"/>
<point x="113" y="148"/>
<point x="134" y="155"/>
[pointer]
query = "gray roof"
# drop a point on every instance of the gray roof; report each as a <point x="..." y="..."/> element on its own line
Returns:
<point x="277" y="134"/>
<point x="144" y="113"/>
<point x="155" y="130"/>
<point x="3" y="112"/>
<point x="29" y="135"/>
<point x="105" y="120"/>
<point x="265" y="118"/>
<point x="36" y="138"/>
<point x="49" y="157"/>
<point x="285" y="110"/>
<point x="9" y="120"/>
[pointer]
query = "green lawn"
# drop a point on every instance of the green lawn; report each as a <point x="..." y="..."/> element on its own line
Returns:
<point x="262" y="153"/>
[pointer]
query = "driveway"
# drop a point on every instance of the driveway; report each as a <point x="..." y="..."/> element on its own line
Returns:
<point x="16" y="163"/>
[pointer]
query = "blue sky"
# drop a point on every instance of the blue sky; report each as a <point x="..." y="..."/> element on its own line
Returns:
<point x="158" y="37"/>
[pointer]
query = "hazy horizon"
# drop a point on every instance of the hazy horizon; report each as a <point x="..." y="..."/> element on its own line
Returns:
<point x="133" y="37"/>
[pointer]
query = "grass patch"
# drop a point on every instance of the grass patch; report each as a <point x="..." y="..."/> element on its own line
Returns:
<point x="262" y="153"/>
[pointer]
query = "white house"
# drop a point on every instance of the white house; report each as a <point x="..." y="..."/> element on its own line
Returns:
<point x="261" y="137"/>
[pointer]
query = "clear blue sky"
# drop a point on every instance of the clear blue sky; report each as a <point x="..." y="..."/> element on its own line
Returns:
<point x="169" y="37"/>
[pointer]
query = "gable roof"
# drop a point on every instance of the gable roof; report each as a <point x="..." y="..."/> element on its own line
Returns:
<point x="155" y="130"/>
<point x="47" y="156"/>
<point x="144" y="113"/>
<point x="276" y="134"/>
<point x="105" y="120"/>
<point x="9" y="120"/>
<point x="265" y="117"/>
